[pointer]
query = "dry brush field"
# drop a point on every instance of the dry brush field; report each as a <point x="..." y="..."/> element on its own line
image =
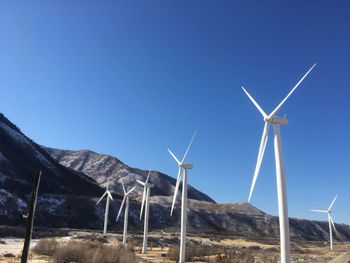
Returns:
<point x="89" y="247"/>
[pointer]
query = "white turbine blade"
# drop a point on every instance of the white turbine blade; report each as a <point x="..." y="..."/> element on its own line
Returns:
<point x="109" y="194"/>
<point x="140" y="182"/>
<point x="149" y="173"/>
<point x="121" y="207"/>
<point x="123" y="187"/>
<point x="332" y="202"/>
<point x="183" y="159"/>
<point x="279" y="106"/>
<point x="107" y="182"/>
<point x="176" y="190"/>
<point x="99" y="200"/>
<point x="178" y="162"/>
<point x="255" y="103"/>
<point x="260" y="157"/>
<point x="321" y="211"/>
<point x="332" y="223"/>
<point x="132" y="189"/>
<point x="143" y="201"/>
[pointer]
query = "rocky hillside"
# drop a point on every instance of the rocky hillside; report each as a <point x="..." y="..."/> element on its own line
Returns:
<point x="19" y="159"/>
<point x="68" y="194"/>
<point x="100" y="166"/>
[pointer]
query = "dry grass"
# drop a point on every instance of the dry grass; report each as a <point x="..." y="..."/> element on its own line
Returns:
<point x="46" y="247"/>
<point x="84" y="252"/>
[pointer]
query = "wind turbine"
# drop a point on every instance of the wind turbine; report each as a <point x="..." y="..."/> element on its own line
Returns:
<point x="109" y="196"/>
<point x="280" y="176"/>
<point x="185" y="167"/>
<point x="126" y="198"/>
<point x="145" y="198"/>
<point x="330" y="220"/>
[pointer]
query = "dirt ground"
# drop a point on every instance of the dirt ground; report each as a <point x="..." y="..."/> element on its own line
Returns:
<point x="10" y="248"/>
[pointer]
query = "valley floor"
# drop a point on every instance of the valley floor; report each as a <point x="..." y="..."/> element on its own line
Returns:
<point x="163" y="247"/>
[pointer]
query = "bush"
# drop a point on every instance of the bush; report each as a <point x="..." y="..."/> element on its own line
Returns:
<point x="85" y="252"/>
<point x="195" y="252"/>
<point x="45" y="247"/>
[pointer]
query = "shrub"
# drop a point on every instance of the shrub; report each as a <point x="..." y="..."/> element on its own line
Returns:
<point x="86" y="252"/>
<point x="195" y="251"/>
<point x="46" y="247"/>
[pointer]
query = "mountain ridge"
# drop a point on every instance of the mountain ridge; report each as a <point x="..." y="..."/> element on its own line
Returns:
<point x="101" y="166"/>
<point x="67" y="197"/>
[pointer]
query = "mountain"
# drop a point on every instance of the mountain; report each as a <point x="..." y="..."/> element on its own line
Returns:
<point x="71" y="184"/>
<point x="19" y="159"/>
<point x="100" y="167"/>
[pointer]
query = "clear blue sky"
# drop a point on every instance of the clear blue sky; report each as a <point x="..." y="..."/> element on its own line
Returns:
<point x="131" y="78"/>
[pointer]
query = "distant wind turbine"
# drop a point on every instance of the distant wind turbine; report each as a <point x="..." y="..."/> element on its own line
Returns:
<point x="280" y="176"/>
<point x="126" y="198"/>
<point x="330" y="221"/>
<point x="109" y="196"/>
<point x="185" y="167"/>
<point x="145" y="198"/>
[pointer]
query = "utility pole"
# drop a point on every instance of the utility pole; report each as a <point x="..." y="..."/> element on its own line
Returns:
<point x="30" y="218"/>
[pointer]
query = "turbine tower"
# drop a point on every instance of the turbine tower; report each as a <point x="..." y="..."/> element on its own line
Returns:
<point x="109" y="196"/>
<point x="145" y="198"/>
<point x="280" y="176"/>
<point x="185" y="167"/>
<point x="126" y="198"/>
<point x="330" y="221"/>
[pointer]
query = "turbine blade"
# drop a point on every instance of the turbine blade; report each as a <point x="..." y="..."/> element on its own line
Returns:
<point x="123" y="187"/>
<point x="99" y="200"/>
<point x="321" y="211"/>
<point x="332" y="202"/>
<point x="183" y="159"/>
<point x="121" y="207"/>
<point x="178" y="162"/>
<point x="143" y="201"/>
<point x="107" y="182"/>
<point x="149" y="173"/>
<point x="255" y="103"/>
<point x="110" y="196"/>
<point x="332" y="223"/>
<point x="176" y="190"/>
<point x="132" y="189"/>
<point x="279" y="106"/>
<point x="140" y="182"/>
<point x="260" y="157"/>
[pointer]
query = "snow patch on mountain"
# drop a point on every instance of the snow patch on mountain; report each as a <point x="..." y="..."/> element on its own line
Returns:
<point x="50" y="202"/>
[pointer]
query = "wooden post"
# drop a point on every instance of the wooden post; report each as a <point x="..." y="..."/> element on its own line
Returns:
<point x="30" y="218"/>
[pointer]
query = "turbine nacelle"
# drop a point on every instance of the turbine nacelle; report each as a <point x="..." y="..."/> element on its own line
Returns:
<point x="187" y="166"/>
<point x="281" y="121"/>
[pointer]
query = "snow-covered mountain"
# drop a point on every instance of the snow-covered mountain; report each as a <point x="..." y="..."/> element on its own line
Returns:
<point x="100" y="167"/>
<point x="19" y="159"/>
<point x="71" y="184"/>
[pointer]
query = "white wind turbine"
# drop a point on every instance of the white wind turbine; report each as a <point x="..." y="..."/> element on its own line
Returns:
<point x="145" y="198"/>
<point x="126" y="198"/>
<point x="280" y="176"/>
<point x="330" y="221"/>
<point x="109" y="196"/>
<point x="185" y="167"/>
